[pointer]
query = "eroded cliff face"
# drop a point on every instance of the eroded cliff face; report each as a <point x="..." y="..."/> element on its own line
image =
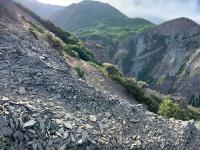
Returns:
<point x="165" y="56"/>
<point x="102" y="48"/>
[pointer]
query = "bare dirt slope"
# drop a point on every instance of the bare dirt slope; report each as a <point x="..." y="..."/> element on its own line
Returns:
<point x="99" y="80"/>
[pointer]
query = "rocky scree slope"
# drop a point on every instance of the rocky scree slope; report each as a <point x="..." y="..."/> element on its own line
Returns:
<point x="166" y="56"/>
<point x="43" y="106"/>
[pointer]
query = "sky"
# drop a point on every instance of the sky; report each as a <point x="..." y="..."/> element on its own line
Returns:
<point x="156" y="11"/>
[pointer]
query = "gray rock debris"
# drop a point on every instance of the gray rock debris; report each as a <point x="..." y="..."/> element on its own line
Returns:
<point x="53" y="110"/>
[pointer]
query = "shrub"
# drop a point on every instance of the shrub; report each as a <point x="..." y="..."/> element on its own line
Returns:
<point x="32" y="31"/>
<point x="71" y="52"/>
<point x="112" y="70"/>
<point x="82" y="52"/>
<point x="171" y="109"/>
<point x="134" y="88"/>
<point x="98" y="66"/>
<point x="54" y="41"/>
<point x="80" y="72"/>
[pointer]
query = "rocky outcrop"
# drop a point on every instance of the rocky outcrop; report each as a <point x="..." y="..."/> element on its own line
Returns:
<point x="43" y="106"/>
<point x="102" y="48"/>
<point x="165" y="56"/>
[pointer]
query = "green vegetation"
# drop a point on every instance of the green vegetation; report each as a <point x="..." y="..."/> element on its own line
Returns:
<point x="32" y="31"/>
<point x="97" y="66"/>
<point x="80" y="72"/>
<point x="79" y="51"/>
<point x="112" y="71"/>
<point x="102" y="20"/>
<point x="54" y="41"/>
<point x="135" y="88"/>
<point x="115" y="29"/>
<point x="166" y="107"/>
<point x="170" y="109"/>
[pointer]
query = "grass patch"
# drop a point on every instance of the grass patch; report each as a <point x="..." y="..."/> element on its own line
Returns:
<point x="32" y="31"/>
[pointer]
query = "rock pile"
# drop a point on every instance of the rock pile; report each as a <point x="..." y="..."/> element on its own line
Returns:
<point x="50" y="125"/>
<point x="32" y="129"/>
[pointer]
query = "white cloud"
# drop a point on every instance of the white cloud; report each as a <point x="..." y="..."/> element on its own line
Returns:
<point x="154" y="10"/>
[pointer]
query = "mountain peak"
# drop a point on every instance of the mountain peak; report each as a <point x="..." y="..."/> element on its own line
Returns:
<point x="176" y="26"/>
<point x="79" y="15"/>
<point x="182" y="21"/>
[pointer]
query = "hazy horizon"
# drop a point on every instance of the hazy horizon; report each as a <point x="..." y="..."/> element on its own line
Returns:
<point x="156" y="11"/>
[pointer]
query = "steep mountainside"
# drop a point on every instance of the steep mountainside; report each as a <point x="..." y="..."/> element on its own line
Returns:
<point x="166" y="56"/>
<point x="84" y="14"/>
<point x="43" y="105"/>
<point x="44" y="10"/>
<point x="99" y="25"/>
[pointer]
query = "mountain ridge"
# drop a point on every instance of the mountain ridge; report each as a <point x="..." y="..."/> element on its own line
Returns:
<point x="168" y="48"/>
<point x="94" y="10"/>
<point x="106" y="26"/>
<point x="44" y="10"/>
